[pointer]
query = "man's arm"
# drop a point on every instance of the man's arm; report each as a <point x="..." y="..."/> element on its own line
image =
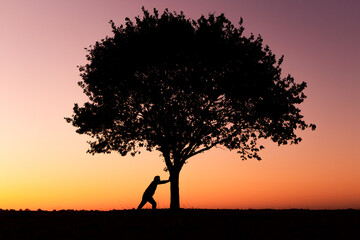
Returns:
<point x="165" y="181"/>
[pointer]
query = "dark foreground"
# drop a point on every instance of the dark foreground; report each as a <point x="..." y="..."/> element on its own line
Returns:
<point x="185" y="224"/>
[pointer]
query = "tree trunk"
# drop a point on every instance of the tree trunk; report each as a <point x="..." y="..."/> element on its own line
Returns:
<point x="174" y="190"/>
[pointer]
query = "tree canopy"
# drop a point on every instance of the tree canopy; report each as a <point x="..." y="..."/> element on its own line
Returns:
<point x="181" y="86"/>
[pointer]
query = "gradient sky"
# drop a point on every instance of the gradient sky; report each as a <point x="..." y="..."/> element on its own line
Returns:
<point x="43" y="162"/>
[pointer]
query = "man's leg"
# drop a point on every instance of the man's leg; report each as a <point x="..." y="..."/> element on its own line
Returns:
<point x="153" y="203"/>
<point x="143" y="202"/>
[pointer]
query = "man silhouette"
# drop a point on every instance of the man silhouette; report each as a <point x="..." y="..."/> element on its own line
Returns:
<point x="149" y="192"/>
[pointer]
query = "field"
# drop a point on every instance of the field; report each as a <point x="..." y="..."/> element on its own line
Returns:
<point x="185" y="224"/>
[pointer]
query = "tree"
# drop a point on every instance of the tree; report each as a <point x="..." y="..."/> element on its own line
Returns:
<point x="182" y="87"/>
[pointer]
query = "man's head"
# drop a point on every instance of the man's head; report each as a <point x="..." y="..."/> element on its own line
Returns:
<point x="157" y="178"/>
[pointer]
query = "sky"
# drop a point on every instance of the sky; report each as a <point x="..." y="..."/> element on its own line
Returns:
<point x="44" y="164"/>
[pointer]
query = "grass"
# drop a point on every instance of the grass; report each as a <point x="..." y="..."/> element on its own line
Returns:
<point x="185" y="224"/>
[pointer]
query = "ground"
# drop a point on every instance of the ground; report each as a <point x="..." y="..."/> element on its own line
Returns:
<point x="184" y="224"/>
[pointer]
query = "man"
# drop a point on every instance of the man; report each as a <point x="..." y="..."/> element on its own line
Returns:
<point x="149" y="192"/>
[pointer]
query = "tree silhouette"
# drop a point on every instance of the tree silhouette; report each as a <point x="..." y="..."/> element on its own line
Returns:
<point x="181" y="87"/>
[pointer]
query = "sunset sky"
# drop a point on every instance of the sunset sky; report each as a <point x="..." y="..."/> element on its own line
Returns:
<point x="44" y="164"/>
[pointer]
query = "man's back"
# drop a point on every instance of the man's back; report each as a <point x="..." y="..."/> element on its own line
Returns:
<point x="149" y="192"/>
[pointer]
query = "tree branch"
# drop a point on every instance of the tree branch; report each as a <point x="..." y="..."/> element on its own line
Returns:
<point x="168" y="163"/>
